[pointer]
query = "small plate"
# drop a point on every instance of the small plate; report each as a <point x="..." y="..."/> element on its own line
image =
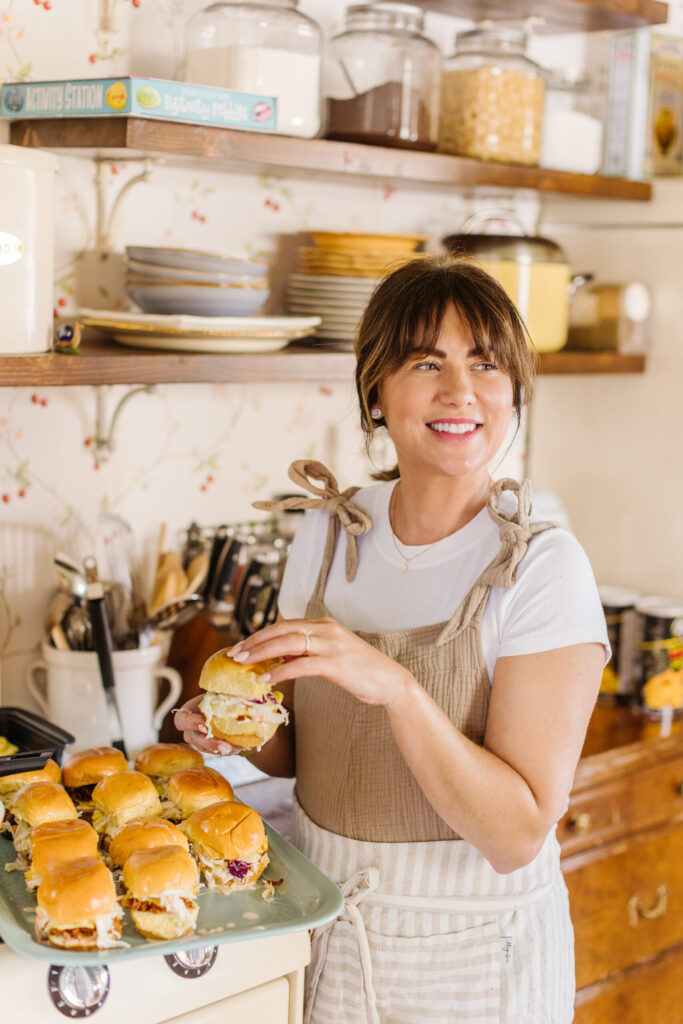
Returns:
<point x="222" y="346"/>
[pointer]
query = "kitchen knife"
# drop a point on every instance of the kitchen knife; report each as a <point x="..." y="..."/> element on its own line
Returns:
<point x="102" y="644"/>
<point x="219" y="538"/>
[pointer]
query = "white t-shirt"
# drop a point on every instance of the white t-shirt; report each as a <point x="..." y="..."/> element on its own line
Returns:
<point x="553" y="602"/>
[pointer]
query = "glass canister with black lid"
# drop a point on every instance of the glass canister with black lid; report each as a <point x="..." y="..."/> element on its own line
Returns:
<point x="381" y="78"/>
<point x="492" y="97"/>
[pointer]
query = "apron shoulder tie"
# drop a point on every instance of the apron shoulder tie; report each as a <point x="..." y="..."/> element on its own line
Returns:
<point x="356" y="888"/>
<point x="354" y="519"/>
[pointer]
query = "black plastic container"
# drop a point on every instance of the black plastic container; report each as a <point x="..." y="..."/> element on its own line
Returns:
<point x="38" y="740"/>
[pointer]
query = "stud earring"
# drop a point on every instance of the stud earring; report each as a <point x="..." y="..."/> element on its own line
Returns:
<point x="376" y="412"/>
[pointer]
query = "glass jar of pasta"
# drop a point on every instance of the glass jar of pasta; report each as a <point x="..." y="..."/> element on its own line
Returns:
<point x="492" y="97"/>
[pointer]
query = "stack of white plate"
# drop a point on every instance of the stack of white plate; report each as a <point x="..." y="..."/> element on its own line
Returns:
<point x="339" y="301"/>
<point x="183" y="281"/>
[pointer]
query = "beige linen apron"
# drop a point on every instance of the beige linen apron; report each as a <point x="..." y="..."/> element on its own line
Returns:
<point x="429" y="931"/>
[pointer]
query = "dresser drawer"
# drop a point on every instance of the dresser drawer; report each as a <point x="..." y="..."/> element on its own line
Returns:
<point x="650" y="993"/>
<point x="626" y="901"/>
<point x="629" y="803"/>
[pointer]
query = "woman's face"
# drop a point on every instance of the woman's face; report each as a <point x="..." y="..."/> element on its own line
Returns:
<point x="447" y="412"/>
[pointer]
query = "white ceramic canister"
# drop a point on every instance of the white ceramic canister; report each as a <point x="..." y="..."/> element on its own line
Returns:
<point x="67" y="687"/>
<point x="27" y="240"/>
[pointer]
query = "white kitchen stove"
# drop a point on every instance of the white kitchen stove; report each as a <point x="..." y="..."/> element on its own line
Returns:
<point x="261" y="980"/>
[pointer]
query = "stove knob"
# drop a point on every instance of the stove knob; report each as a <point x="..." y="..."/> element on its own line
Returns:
<point x="78" y="991"/>
<point x="192" y="963"/>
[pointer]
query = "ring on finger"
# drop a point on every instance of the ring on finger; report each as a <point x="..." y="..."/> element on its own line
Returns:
<point x="306" y="633"/>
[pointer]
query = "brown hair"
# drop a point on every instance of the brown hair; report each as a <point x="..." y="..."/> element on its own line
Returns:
<point x="404" y="316"/>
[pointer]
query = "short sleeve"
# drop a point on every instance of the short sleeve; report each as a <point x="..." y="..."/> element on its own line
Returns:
<point x="303" y="563"/>
<point x="554" y="601"/>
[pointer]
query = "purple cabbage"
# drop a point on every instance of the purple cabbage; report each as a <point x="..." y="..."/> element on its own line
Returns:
<point x="238" y="868"/>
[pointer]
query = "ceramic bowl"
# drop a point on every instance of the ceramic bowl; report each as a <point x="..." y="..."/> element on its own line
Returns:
<point x="197" y="299"/>
<point x="152" y="271"/>
<point x="190" y="259"/>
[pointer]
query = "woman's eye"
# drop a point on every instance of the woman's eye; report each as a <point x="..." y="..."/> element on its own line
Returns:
<point x="486" y="366"/>
<point x="426" y="366"/>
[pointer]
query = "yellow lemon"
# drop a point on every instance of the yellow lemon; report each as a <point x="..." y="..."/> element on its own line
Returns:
<point x="148" y="97"/>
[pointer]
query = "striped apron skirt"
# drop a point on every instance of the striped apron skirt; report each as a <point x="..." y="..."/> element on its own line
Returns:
<point x="431" y="933"/>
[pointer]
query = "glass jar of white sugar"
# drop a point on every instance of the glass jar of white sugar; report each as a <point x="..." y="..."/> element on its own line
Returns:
<point x="263" y="47"/>
<point x="571" y="139"/>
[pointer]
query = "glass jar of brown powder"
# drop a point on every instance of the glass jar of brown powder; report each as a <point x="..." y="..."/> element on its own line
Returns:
<point x="381" y="78"/>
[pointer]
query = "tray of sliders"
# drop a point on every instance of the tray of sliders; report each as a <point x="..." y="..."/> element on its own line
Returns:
<point x="103" y="861"/>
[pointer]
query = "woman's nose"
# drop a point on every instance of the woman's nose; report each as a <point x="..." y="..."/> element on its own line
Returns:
<point x="456" y="387"/>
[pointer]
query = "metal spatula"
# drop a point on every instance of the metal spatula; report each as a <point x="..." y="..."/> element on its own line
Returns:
<point x="102" y="644"/>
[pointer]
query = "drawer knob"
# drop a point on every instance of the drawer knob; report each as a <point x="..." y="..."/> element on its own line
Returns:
<point x="581" y="823"/>
<point x="636" y="909"/>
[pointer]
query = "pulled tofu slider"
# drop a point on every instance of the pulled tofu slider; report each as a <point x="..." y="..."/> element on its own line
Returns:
<point x="86" y="768"/>
<point x="34" y="805"/>
<point x="190" y="790"/>
<point x="122" y="797"/>
<point x="229" y="842"/>
<point x="143" y="834"/>
<point x="162" y="760"/>
<point x="54" y="842"/>
<point x="11" y="784"/>
<point x="237" y="706"/>
<point x="77" y="906"/>
<point x="161" y="891"/>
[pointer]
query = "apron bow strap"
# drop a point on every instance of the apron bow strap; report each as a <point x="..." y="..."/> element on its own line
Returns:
<point x="354" y="519"/>
<point x="354" y="890"/>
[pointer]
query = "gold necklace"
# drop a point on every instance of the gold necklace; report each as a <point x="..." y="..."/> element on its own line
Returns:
<point x="407" y="559"/>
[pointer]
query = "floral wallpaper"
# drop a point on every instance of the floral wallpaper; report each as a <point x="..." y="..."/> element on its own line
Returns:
<point x="182" y="452"/>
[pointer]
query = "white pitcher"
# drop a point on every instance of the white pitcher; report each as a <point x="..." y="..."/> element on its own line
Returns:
<point x="67" y="687"/>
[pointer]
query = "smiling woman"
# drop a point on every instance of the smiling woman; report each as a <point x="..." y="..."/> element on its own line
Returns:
<point x="440" y="664"/>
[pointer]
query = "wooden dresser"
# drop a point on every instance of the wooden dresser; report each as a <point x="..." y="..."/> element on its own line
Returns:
<point x="622" y="857"/>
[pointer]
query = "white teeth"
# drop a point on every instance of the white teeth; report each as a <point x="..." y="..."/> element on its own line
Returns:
<point x="454" y="428"/>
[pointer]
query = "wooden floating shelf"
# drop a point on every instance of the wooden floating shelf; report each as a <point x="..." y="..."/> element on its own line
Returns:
<point x="559" y="15"/>
<point x="257" y="153"/>
<point x="101" y="363"/>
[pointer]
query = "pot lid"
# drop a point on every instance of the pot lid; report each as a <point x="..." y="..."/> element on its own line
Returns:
<point x="519" y="247"/>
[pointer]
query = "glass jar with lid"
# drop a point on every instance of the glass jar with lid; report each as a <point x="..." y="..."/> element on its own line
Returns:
<point x="572" y="124"/>
<point x="263" y="47"/>
<point x="381" y="78"/>
<point x="492" y="97"/>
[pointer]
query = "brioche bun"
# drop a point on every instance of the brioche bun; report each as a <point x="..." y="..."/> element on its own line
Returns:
<point x="161" y="885"/>
<point x="42" y="801"/>
<point x="227" y="831"/>
<point x="143" y="834"/>
<point x="194" y="788"/>
<point x="71" y="896"/>
<point x="239" y="707"/>
<point x="54" y="842"/>
<point x="121" y="797"/>
<point x="88" y="767"/>
<point x="220" y="674"/>
<point x="161" y="760"/>
<point x="10" y="784"/>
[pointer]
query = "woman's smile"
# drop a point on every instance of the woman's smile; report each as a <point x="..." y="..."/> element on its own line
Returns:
<point x="454" y="429"/>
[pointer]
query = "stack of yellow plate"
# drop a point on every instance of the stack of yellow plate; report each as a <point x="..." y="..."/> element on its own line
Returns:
<point x="340" y="254"/>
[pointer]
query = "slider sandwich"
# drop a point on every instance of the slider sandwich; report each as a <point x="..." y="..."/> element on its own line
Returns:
<point x="143" y="834"/>
<point x="190" y="790"/>
<point x="161" y="891"/>
<point x="229" y="844"/>
<point x="162" y="760"/>
<point x="237" y="706"/>
<point x="85" y="769"/>
<point x="11" y="784"/>
<point x="121" y="797"/>
<point x="34" y="805"/>
<point x="77" y="906"/>
<point x="54" y="842"/>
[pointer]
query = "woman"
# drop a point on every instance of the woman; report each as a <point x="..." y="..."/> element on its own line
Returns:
<point x="441" y="668"/>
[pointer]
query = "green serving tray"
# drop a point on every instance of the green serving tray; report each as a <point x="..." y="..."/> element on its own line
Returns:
<point x="306" y="899"/>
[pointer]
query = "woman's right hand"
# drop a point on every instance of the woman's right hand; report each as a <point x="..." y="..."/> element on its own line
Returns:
<point x="191" y="723"/>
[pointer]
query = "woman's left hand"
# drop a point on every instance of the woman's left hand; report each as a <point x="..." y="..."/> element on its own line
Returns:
<point x="321" y="647"/>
